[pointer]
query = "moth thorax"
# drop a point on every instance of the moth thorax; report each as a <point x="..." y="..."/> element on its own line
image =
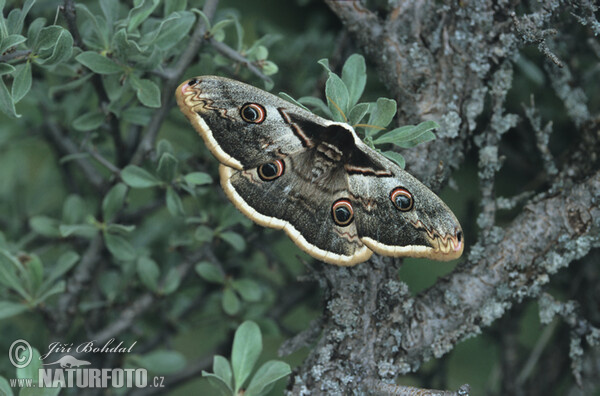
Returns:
<point x="329" y="151"/>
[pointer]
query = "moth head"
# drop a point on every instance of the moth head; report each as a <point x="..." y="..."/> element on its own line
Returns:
<point x="430" y="223"/>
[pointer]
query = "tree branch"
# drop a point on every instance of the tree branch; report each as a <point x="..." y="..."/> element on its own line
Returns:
<point x="169" y="86"/>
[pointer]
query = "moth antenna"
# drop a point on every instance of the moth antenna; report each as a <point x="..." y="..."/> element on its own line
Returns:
<point x="369" y="126"/>
<point x="338" y="109"/>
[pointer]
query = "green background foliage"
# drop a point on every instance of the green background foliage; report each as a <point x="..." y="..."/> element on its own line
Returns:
<point x="155" y="228"/>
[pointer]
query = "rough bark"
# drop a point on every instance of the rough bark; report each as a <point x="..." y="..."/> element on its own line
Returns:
<point x="442" y="62"/>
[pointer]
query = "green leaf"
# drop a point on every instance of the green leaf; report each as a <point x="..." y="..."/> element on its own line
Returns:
<point x="63" y="49"/>
<point x="32" y="369"/>
<point x="119" y="247"/>
<point x="45" y="226"/>
<point x="89" y="121"/>
<point x="248" y="289"/>
<point x="113" y="201"/>
<point x="167" y="167"/>
<point x="247" y="346"/>
<point x="136" y="177"/>
<point x="74" y="209"/>
<point x="407" y="134"/>
<point x="11" y="41"/>
<point x="22" y="82"/>
<point x="174" y="6"/>
<point x="18" y="26"/>
<point x="8" y="277"/>
<point x="292" y="100"/>
<point x="357" y="113"/>
<point x="269" y="68"/>
<point x="139" y="14"/>
<point x="95" y="25"/>
<point x="110" y="283"/>
<point x="217" y="384"/>
<point x="204" y="234"/>
<point x="7" y="105"/>
<point x="325" y="63"/>
<point x="33" y="32"/>
<point x="210" y="272"/>
<point x="5" y="388"/>
<point x="120" y="228"/>
<point x="147" y="91"/>
<point x="62" y="266"/>
<point x="137" y="115"/>
<point x="316" y="103"/>
<point x="231" y="303"/>
<point x="337" y="97"/>
<point x="162" y="362"/>
<point x="354" y="75"/>
<point x="57" y="288"/>
<point x="124" y="48"/>
<point x="110" y="9"/>
<point x="382" y="112"/>
<point x="198" y="178"/>
<point x="234" y="239"/>
<point x="396" y="157"/>
<point x="267" y="375"/>
<point x="71" y="85"/>
<point x="98" y="63"/>
<point x="163" y="146"/>
<point x="222" y="369"/>
<point x="82" y="230"/>
<point x="6" y="68"/>
<point x="9" y="308"/>
<point x="217" y="30"/>
<point x="171" y="282"/>
<point x="46" y="39"/>
<point x="174" y="204"/>
<point x="35" y="273"/>
<point x="171" y="30"/>
<point x="148" y="272"/>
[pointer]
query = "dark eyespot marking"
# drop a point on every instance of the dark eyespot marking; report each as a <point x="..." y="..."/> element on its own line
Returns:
<point x="342" y="212"/>
<point x="253" y="113"/>
<point x="402" y="199"/>
<point x="193" y="81"/>
<point x="271" y="171"/>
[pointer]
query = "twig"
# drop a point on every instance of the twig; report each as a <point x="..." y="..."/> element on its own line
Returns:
<point x="169" y="86"/>
<point x="14" y="55"/>
<point x="127" y="317"/>
<point x="66" y="146"/>
<point x="104" y="162"/>
<point x="542" y="137"/>
<point x="535" y="355"/>
<point x="68" y="10"/>
<point x="229" y="52"/>
<point x="403" y="390"/>
<point x="76" y="284"/>
<point x="530" y="34"/>
<point x="192" y="370"/>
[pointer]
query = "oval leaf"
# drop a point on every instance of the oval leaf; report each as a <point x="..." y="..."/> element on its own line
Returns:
<point x="148" y="272"/>
<point x="210" y="272"/>
<point x="98" y="63"/>
<point x="22" y="83"/>
<point x="354" y="75"/>
<point x="119" y="247"/>
<point x="247" y="346"/>
<point x="136" y="177"/>
<point x="266" y="375"/>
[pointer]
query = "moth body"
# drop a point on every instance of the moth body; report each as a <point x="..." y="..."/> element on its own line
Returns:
<point x="286" y="168"/>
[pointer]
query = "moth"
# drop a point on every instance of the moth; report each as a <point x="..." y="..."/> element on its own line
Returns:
<point x="287" y="168"/>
